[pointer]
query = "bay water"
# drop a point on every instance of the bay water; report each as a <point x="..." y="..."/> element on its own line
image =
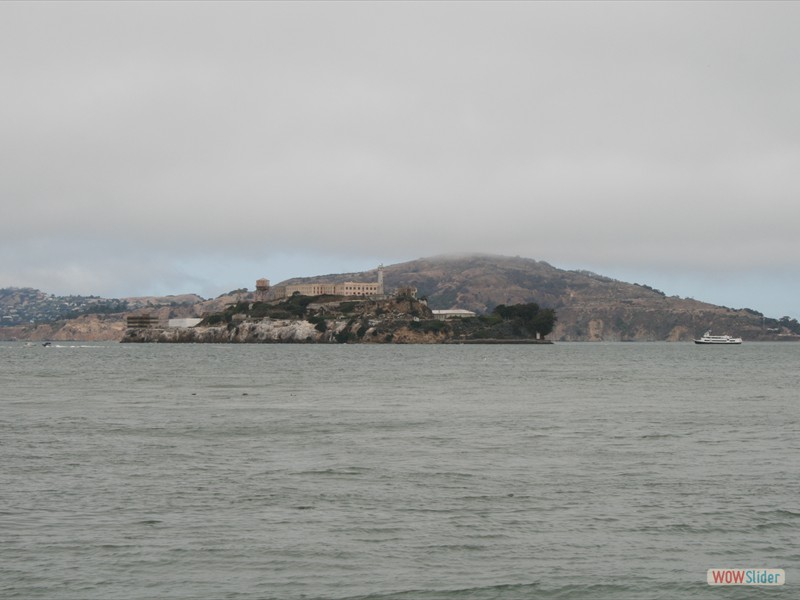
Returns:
<point x="575" y="470"/>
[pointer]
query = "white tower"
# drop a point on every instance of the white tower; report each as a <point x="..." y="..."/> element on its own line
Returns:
<point x="380" y="280"/>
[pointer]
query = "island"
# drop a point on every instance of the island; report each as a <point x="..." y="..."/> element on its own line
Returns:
<point x="398" y="319"/>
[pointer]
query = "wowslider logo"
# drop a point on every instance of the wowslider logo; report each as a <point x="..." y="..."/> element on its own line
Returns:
<point x="745" y="577"/>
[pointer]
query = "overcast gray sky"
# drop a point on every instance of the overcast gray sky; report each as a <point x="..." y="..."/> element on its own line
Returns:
<point x="154" y="147"/>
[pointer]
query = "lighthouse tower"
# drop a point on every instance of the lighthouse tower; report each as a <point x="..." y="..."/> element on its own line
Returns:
<point x="380" y="280"/>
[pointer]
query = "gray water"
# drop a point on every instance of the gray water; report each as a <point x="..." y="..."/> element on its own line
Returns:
<point x="396" y="472"/>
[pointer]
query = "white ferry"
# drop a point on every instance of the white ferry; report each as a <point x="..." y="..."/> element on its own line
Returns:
<point x="717" y="339"/>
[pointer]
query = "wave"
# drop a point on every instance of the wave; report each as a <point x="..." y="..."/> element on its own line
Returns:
<point x="526" y="591"/>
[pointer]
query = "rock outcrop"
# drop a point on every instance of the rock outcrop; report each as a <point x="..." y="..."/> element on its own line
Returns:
<point x="266" y="331"/>
<point x="299" y="332"/>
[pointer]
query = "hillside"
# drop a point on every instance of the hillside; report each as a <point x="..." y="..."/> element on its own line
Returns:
<point x="589" y="307"/>
<point x="29" y="314"/>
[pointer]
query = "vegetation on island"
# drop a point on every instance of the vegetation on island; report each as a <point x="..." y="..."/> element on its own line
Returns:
<point x="400" y="319"/>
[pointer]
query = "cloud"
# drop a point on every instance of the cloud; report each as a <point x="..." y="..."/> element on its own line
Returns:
<point x="641" y="135"/>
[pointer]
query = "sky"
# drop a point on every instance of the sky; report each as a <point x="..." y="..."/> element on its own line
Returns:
<point x="178" y="147"/>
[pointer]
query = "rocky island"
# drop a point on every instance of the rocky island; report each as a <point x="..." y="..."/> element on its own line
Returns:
<point x="400" y="319"/>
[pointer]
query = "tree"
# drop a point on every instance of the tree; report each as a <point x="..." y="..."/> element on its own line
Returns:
<point x="544" y="321"/>
<point x="528" y="317"/>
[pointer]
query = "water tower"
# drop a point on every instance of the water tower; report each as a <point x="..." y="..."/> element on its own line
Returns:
<point x="262" y="288"/>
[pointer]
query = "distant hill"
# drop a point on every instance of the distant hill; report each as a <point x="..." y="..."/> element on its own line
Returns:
<point x="590" y="307"/>
<point x="30" y="314"/>
<point x="20" y="306"/>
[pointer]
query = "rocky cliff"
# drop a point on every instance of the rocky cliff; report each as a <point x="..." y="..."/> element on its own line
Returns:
<point x="277" y="332"/>
<point x="340" y="319"/>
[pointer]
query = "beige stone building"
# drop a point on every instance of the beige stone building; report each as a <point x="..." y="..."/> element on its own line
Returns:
<point x="348" y="288"/>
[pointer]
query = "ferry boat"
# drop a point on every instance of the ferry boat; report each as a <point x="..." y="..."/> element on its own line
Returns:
<point x="717" y="339"/>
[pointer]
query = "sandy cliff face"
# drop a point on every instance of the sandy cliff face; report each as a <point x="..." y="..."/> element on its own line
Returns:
<point x="88" y="328"/>
<point x="97" y="328"/>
